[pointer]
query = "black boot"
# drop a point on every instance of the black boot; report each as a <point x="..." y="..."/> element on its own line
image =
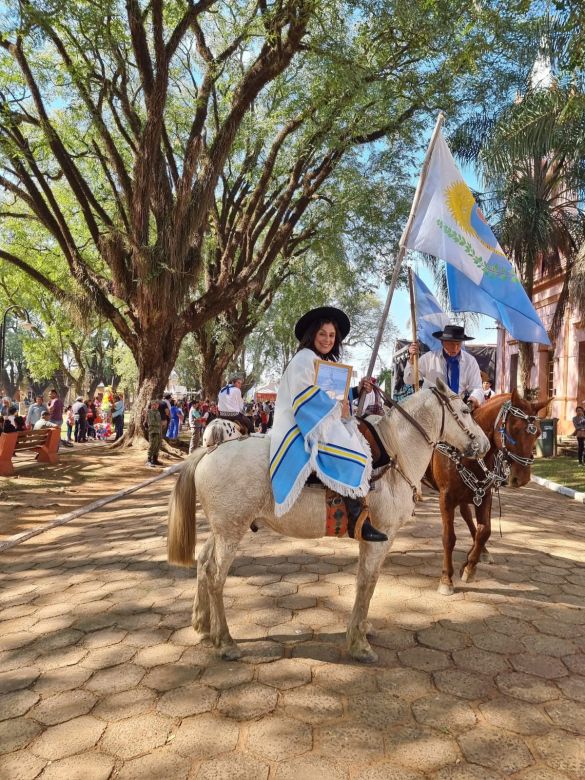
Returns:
<point x="357" y="510"/>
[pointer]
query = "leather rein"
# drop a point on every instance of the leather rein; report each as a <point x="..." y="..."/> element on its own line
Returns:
<point x="392" y="462"/>
<point x="501" y="470"/>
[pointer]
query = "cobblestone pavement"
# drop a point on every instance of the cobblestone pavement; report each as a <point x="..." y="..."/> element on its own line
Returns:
<point x="101" y="675"/>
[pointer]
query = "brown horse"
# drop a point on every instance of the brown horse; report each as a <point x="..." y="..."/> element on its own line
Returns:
<point x="512" y="427"/>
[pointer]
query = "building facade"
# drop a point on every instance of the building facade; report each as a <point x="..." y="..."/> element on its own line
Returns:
<point x="558" y="371"/>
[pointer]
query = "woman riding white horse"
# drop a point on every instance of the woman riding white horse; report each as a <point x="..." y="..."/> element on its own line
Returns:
<point x="313" y="433"/>
<point x="232" y="497"/>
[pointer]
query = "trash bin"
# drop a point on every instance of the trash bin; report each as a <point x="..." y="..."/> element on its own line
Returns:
<point x="546" y="444"/>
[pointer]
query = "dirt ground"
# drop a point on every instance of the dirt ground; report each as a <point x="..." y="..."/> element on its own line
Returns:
<point x="39" y="493"/>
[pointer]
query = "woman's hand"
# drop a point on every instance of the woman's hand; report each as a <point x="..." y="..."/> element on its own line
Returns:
<point x="345" y="409"/>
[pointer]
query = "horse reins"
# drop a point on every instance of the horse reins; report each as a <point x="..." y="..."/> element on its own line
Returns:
<point x="501" y="471"/>
<point x="444" y="401"/>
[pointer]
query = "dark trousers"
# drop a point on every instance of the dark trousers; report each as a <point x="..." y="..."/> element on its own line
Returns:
<point x="241" y="418"/>
<point x="119" y="426"/>
<point x="581" y="449"/>
<point x="80" y="429"/>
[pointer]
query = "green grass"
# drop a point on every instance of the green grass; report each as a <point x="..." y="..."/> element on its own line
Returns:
<point x="563" y="470"/>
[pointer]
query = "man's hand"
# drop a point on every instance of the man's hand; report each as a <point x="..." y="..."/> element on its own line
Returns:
<point x="473" y="403"/>
<point x="366" y="385"/>
<point x="412" y="351"/>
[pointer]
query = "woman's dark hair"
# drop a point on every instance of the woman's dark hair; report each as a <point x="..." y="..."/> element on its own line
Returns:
<point x="13" y="410"/>
<point x="308" y="340"/>
<point x="579" y="407"/>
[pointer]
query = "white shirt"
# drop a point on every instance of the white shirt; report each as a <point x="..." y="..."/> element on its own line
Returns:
<point x="433" y="364"/>
<point x="230" y="399"/>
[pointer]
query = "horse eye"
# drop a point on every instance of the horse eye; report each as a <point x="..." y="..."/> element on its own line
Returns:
<point x="466" y="410"/>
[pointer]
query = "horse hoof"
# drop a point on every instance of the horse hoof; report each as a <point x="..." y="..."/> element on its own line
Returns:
<point x="486" y="557"/>
<point x="467" y="575"/>
<point x="364" y="655"/>
<point x="230" y="653"/>
<point x="445" y="590"/>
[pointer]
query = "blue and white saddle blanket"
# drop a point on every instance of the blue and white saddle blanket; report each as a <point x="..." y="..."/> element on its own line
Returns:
<point x="308" y="435"/>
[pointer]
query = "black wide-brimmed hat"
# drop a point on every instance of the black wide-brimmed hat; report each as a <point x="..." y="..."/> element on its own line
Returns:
<point x="323" y="314"/>
<point x="452" y="333"/>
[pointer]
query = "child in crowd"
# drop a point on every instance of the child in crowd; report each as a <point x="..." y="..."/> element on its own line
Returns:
<point x="70" y="420"/>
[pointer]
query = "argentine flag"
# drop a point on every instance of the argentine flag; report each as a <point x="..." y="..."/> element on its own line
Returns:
<point x="449" y="224"/>
<point x="429" y="315"/>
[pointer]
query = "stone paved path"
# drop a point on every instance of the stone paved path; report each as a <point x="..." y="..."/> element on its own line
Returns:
<point x="101" y="675"/>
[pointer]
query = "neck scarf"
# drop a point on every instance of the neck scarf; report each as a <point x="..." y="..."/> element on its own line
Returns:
<point x="452" y="371"/>
<point x="226" y="389"/>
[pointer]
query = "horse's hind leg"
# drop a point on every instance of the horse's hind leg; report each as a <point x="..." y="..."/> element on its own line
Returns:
<point x="370" y="560"/>
<point x="482" y="534"/>
<point x="217" y="567"/>
<point x="465" y="509"/>
<point x="201" y="618"/>
<point x="448" y="518"/>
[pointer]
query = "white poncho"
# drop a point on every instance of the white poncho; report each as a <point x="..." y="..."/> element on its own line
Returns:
<point x="308" y="435"/>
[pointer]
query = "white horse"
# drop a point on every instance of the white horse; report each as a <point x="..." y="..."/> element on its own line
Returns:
<point x="233" y="484"/>
<point x="219" y="431"/>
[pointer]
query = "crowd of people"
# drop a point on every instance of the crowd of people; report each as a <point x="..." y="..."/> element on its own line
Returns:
<point x="86" y="419"/>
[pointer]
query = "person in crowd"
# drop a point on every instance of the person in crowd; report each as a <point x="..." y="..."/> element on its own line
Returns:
<point x="118" y="416"/>
<point x="196" y="423"/>
<point x="5" y="406"/>
<point x="164" y="407"/>
<point x="70" y="422"/>
<point x="176" y="421"/>
<point x="458" y="368"/>
<point x="35" y="410"/>
<point x="13" y="422"/>
<point x="309" y="425"/>
<point x="80" y="417"/>
<point x="55" y="407"/>
<point x="154" y="426"/>
<point x="45" y="422"/>
<point x="487" y="389"/>
<point x="231" y="404"/>
<point x="579" y="423"/>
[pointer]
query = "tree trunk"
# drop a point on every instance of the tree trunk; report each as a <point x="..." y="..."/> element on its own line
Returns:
<point x="156" y="360"/>
<point x="525" y="364"/>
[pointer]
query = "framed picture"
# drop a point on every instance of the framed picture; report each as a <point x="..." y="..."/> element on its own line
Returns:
<point x="333" y="378"/>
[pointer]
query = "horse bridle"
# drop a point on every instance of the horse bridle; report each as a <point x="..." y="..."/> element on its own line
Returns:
<point x="501" y="471"/>
<point x="500" y="427"/>
<point x="444" y="402"/>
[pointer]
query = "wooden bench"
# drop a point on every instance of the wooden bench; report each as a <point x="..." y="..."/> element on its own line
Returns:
<point x="45" y="441"/>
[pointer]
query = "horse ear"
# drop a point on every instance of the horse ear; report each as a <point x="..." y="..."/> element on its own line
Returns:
<point x="515" y="397"/>
<point x="538" y="405"/>
<point x="442" y="386"/>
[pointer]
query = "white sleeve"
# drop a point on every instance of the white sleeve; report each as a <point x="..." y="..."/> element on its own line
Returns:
<point x="474" y="383"/>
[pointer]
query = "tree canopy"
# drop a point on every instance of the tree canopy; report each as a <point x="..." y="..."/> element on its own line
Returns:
<point x="175" y="158"/>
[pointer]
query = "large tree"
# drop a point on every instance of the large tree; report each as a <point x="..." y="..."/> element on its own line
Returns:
<point x="123" y="125"/>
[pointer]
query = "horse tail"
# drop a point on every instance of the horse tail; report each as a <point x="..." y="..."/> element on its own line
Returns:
<point x="182" y="533"/>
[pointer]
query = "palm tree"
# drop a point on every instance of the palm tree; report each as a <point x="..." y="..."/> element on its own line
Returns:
<point x="530" y="157"/>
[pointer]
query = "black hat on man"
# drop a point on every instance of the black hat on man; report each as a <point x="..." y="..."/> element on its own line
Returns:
<point x="323" y="314"/>
<point x="452" y="333"/>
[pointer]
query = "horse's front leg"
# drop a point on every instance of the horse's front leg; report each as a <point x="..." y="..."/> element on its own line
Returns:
<point x="448" y="518"/>
<point x="465" y="509"/>
<point x="482" y="534"/>
<point x="220" y="560"/>
<point x="370" y="561"/>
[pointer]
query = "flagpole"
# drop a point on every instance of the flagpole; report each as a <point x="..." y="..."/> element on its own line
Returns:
<point x="401" y="253"/>
<point x="413" y="327"/>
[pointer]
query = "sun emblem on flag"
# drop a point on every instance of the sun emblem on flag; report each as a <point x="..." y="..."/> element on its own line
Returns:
<point x="468" y="215"/>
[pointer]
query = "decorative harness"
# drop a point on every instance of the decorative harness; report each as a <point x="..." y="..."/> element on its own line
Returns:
<point x="501" y="471"/>
<point x="392" y="462"/>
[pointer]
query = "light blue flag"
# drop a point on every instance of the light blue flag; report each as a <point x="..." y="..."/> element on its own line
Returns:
<point x="500" y="301"/>
<point x="449" y="224"/>
<point x="429" y="315"/>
